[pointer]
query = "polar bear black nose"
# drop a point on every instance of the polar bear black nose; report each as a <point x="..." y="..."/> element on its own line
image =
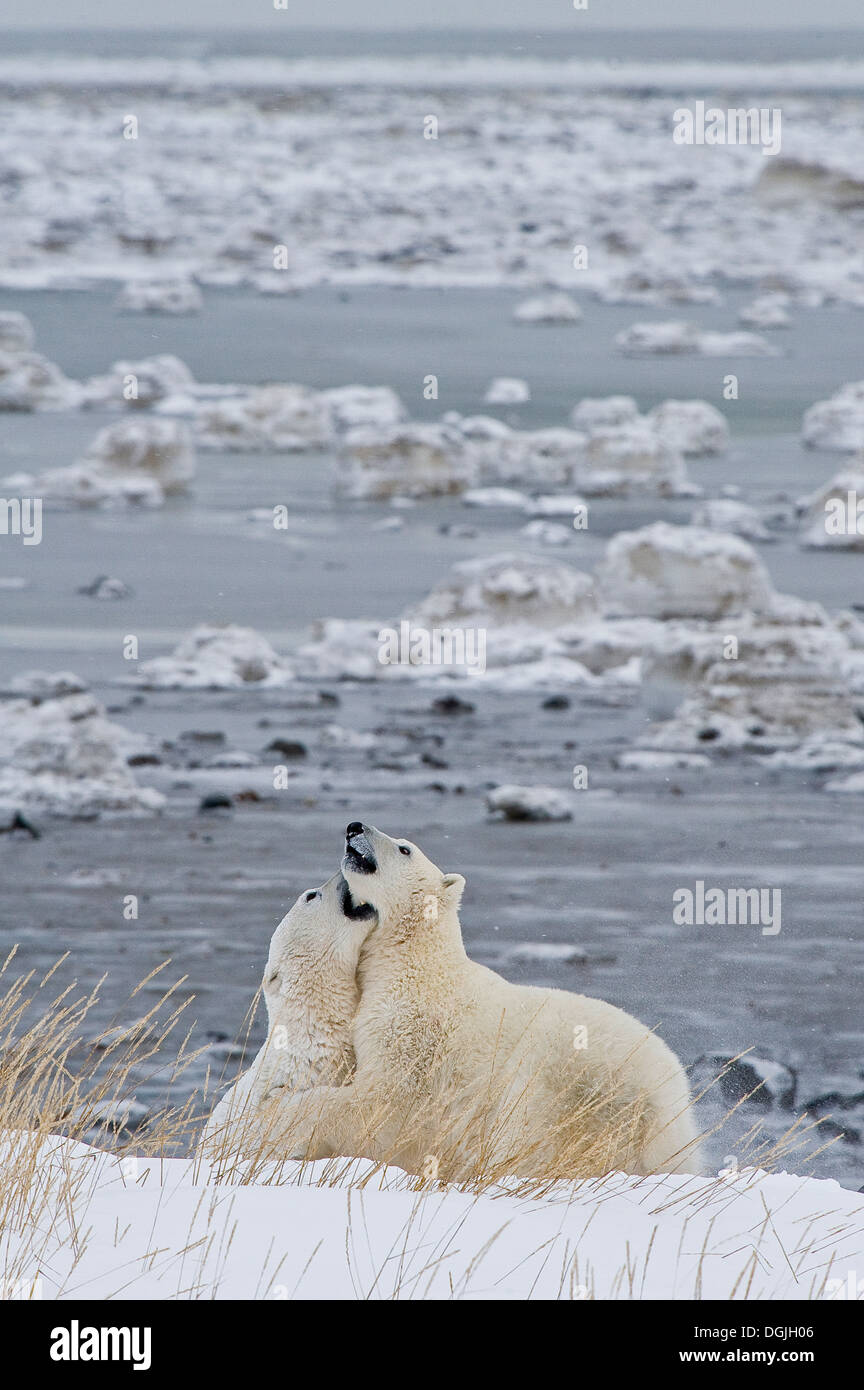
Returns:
<point x="355" y="828"/>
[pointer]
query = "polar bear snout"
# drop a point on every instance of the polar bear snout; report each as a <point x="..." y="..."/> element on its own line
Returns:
<point x="359" y="855"/>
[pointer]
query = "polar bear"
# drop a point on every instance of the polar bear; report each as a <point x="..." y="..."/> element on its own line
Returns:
<point x="310" y="989"/>
<point x="462" y="1075"/>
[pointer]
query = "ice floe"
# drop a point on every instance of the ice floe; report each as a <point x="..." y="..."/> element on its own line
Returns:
<point x="410" y="460"/>
<point x="692" y="427"/>
<point x="594" y="412"/>
<point x="767" y="311"/>
<point x="529" y="803"/>
<point x="134" y="460"/>
<point x="287" y="418"/>
<point x="725" y="514"/>
<point x="149" y="382"/>
<point x="675" y="337"/>
<point x="509" y="590"/>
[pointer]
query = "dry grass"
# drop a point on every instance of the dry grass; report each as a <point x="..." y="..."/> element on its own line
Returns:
<point x="56" y="1078"/>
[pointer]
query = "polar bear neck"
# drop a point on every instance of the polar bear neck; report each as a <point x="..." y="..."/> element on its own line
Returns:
<point x="412" y="940"/>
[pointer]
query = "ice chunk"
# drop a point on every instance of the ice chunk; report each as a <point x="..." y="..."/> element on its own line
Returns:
<point x="353" y="406"/>
<point x="632" y="457"/>
<point x="837" y="423"/>
<point x="691" y="427"/>
<point x="664" y="571"/>
<point x="834" y="516"/>
<point x="410" y="460"/>
<point x="596" y="411"/>
<point x="217" y="658"/>
<point x="724" y="514"/>
<point x="547" y="533"/>
<point x="529" y="803"/>
<point x="496" y="497"/>
<point x="62" y="756"/>
<point x="16" y="332"/>
<point x="767" y="311"/>
<point x="29" y="381"/>
<point x="507" y="390"/>
<point x="287" y="418"/>
<point x="556" y="308"/>
<point x="139" y="384"/>
<point x="673" y="336"/>
<point x="509" y="590"/>
<point x="160" y="297"/>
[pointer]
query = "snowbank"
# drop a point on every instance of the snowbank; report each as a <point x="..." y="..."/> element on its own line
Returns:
<point x="328" y="1230"/>
<point x="61" y="756"/>
<point x="217" y="658"/>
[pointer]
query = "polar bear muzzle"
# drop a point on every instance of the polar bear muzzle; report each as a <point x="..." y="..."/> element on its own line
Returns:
<point x="359" y="854"/>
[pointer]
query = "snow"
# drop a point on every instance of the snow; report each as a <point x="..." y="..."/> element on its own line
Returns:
<point x="507" y="390"/>
<point x="16" y="332"/>
<point x="837" y="423"/>
<point x="352" y="406"/>
<point x="61" y="756"/>
<point x="156" y="380"/>
<point x="631" y="457"/>
<point x="29" y="381"/>
<point x="217" y="658"/>
<point x="548" y="309"/>
<point x="132" y="461"/>
<point x="547" y="533"/>
<point x="496" y="497"/>
<point x="327" y="1230"/>
<point x="664" y="571"/>
<point x="160" y="297"/>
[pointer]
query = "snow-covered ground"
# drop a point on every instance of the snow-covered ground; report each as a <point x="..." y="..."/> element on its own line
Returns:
<point x="106" y="1227"/>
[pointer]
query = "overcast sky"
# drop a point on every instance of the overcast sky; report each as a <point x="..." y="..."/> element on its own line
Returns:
<point x="391" y="14"/>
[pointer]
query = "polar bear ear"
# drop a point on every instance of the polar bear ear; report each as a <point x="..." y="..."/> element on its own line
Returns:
<point x="452" y="888"/>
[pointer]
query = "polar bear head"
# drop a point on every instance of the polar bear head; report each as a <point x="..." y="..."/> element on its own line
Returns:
<point x="397" y="879"/>
<point x="315" y="949"/>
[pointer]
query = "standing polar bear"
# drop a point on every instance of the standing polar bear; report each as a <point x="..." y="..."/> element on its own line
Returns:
<point x="461" y="1074"/>
<point x="310" y="988"/>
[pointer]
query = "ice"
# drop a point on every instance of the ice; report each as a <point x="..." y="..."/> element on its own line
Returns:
<point x="529" y="803"/>
<point x="664" y="571"/>
<point x="29" y="381"/>
<point x="496" y="497"/>
<point x="44" y="685"/>
<point x="353" y="406"/>
<point x="674" y="336"/>
<point x="562" y="504"/>
<point x="141" y="461"/>
<point x="767" y="311"/>
<point x="217" y="658"/>
<point x="16" y="332"/>
<point x="538" y="458"/>
<point x="508" y="590"/>
<point x="60" y="755"/>
<point x="691" y="427"/>
<point x="287" y="418"/>
<point x="735" y="345"/>
<point x="548" y="309"/>
<point x="160" y="297"/>
<point x="739" y="519"/>
<point x="678" y="336"/>
<point x="150" y="382"/>
<point x="633" y="457"/>
<point x="593" y="412"/>
<point x="788" y="181"/>
<point x="547" y="533"/>
<point x="840" y="527"/>
<point x="410" y="460"/>
<point x="838" y="423"/>
<point x="507" y="390"/>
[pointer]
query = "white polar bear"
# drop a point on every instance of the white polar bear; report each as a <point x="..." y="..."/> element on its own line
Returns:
<point x="310" y="988"/>
<point x="461" y="1074"/>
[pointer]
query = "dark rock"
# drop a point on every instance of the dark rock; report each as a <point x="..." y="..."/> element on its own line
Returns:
<point x="216" y="801"/>
<point x="451" y="704"/>
<point x="556" y="702"/>
<point x="287" y="747"/>
<point x="755" y="1080"/>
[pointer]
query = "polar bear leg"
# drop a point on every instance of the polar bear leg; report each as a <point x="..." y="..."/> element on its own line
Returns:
<point x="319" y="1123"/>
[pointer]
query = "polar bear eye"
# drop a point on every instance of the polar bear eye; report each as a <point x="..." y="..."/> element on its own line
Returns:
<point x="310" y="895"/>
<point x="403" y="849"/>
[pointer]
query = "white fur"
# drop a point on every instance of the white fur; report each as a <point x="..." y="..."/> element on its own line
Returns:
<point x="462" y="1052"/>
<point x="310" y="988"/>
